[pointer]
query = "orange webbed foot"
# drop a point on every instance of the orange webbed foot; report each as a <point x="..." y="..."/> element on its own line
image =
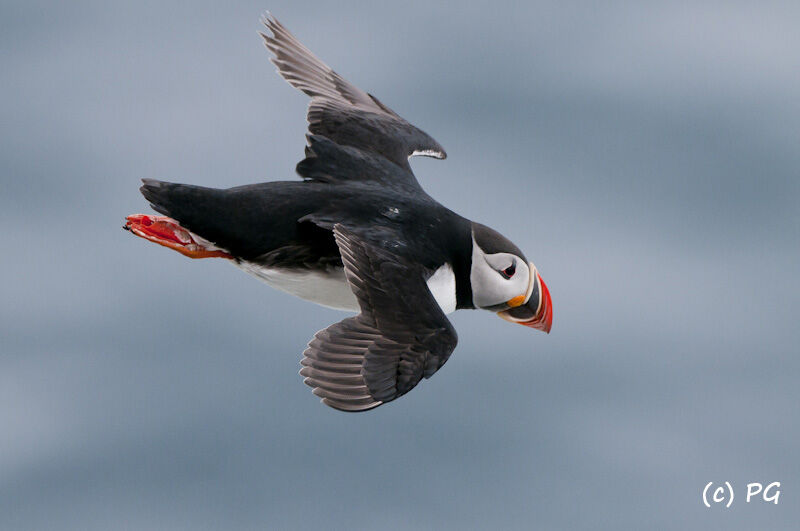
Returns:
<point x="168" y="232"/>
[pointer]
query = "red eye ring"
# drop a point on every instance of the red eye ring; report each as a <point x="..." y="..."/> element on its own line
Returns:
<point x="509" y="271"/>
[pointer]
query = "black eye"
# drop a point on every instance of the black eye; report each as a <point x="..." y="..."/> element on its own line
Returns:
<point x="509" y="271"/>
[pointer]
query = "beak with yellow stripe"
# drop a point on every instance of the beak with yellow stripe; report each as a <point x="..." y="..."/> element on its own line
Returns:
<point x="533" y="309"/>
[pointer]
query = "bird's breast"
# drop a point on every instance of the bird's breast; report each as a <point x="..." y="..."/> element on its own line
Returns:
<point x="442" y="285"/>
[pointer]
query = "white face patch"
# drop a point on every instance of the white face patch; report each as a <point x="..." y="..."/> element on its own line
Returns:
<point x="497" y="278"/>
<point x="442" y="285"/>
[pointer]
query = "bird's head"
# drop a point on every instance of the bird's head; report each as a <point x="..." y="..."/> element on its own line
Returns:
<point x="505" y="282"/>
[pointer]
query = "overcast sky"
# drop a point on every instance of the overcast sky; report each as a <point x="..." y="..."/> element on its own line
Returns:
<point x="643" y="154"/>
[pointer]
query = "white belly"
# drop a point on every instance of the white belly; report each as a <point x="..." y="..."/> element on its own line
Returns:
<point x="330" y="288"/>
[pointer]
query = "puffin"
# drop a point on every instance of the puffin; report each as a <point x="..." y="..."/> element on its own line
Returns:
<point x="356" y="233"/>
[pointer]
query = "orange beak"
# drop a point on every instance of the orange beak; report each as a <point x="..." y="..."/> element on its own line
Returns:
<point x="537" y="312"/>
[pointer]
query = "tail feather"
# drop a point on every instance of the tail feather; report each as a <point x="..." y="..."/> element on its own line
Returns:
<point x="198" y="209"/>
<point x="246" y="221"/>
<point x="185" y="202"/>
<point x="154" y="192"/>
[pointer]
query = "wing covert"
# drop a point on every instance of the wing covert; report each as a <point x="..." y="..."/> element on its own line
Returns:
<point x="341" y="111"/>
<point x="400" y="336"/>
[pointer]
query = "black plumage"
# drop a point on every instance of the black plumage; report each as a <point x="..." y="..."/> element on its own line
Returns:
<point x="384" y="351"/>
<point x="358" y="208"/>
<point x="341" y="111"/>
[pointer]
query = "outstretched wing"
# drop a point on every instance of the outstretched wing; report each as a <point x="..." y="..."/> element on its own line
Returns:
<point x="341" y="111"/>
<point x="400" y="336"/>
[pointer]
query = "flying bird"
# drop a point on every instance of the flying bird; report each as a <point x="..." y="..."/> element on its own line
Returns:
<point x="357" y="233"/>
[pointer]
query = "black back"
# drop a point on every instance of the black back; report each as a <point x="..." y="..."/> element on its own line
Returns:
<point x="356" y="174"/>
<point x="288" y="224"/>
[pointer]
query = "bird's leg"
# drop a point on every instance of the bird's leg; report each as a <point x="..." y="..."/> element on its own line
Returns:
<point x="168" y="232"/>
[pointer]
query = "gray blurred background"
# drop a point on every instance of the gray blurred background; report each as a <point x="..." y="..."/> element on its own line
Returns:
<point x="645" y="155"/>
